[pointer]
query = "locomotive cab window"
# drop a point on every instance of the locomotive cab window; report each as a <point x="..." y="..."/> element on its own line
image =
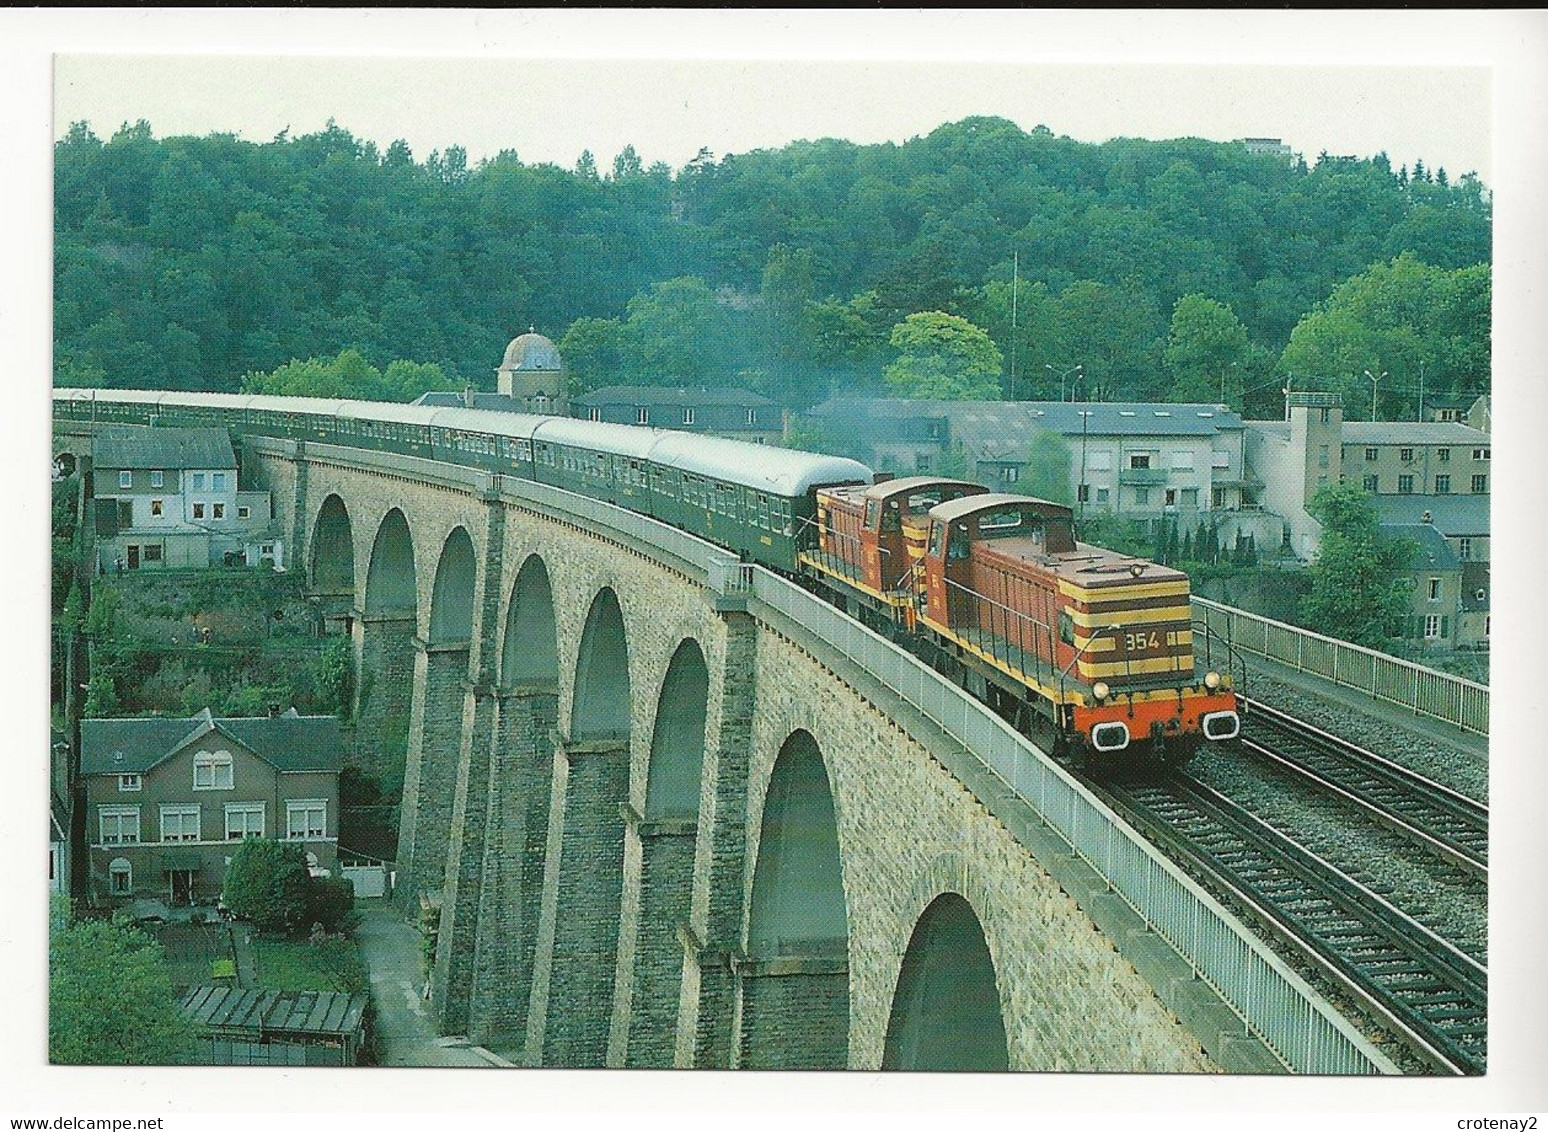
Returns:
<point x="937" y="533"/>
<point x="959" y="547"/>
<point x="891" y="521"/>
<point x="872" y="513"/>
<point x="1002" y="524"/>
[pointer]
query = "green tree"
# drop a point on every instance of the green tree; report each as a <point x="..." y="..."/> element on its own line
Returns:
<point x="349" y="375"/>
<point x="267" y="883"/>
<point x="1402" y="318"/>
<point x="110" y="998"/>
<point x="1206" y="348"/>
<point x="592" y="349"/>
<point x="677" y="333"/>
<point x="943" y="357"/>
<point x="1360" y="586"/>
<point x="1048" y="467"/>
<point x="336" y="674"/>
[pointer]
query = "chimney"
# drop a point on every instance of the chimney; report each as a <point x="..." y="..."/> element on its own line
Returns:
<point x="467" y="395"/>
<point x="1425" y="518"/>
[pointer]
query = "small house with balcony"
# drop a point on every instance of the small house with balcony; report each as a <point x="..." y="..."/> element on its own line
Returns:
<point x="168" y="800"/>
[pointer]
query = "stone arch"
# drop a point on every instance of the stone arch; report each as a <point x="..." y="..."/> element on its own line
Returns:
<point x="946" y="1012"/>
<point x="798" y="885"/>
<point x="332" y="565"/>
<point x="677" y="739"/>
<point x="451" y="600"/>
<point x="602" y="702"/>
<point x="392" y="584"/>
<point x="529" y="653"/>
<point x="795" y="985"/>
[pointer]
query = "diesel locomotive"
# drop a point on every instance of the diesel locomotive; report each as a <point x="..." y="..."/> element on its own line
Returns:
<point x="1094" y="647"/>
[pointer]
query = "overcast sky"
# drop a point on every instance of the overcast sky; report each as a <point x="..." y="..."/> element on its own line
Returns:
<point x="1436" y="85"/>
<point x="551" y="109"/>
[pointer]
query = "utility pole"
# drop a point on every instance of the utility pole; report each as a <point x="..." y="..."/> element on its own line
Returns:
<point x="1420" y="417"/>
<point x="1015" y="279"/>
<point x="1375" y="377"/>
<point x="1289" y="378"/>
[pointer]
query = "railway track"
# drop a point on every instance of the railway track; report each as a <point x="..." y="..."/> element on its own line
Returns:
<point x="1441" y="820"/>
<point x="1420" y="987"/>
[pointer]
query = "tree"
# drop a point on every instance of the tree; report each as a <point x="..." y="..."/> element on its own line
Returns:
<point x="1402" y="318"/>
<point x="1048" y="467"/>
<point x="943" y="357"/>
<point x="110" y="998"/>
<point x="349" y="375"/>
<point x="336" y="674"/>
<point x="1205" y="350"/>
<point x="266" y="883"/>
<point x="1360" y="585"/>
<point x="592" y="349"/>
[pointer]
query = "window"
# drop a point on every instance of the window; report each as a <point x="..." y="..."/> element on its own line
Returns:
<point x="180" y="823"/>
<point x="1370" y="453"/>
<point x="198" y="481"/>
<point x="1432" y="626"/>
<point x="752" y="416"/>
<point x="1327" y="416"/>
<point x="1142" y="496"/>
<point x="244" y="819"/>
<point x="157" y="479"/>
<point x="306" y="820"/>
<point x="1405" y="485"/>
<point x="244" y="512"/>
<point x="1190" y="497"/>
<point x="922" y="462"/>
<point x="198" y="510"/>
<point x="1101" y="495"/>
<point x="212" y="770"/>
<point x="1465" y="549"/>
<point x="151" y="552"/>
<point x="687" y="416"/>
<point x="1171" y="497"/>
<point x="128" y="783"/>
<point x="1372" y="484"/>
<point x="156" y="508"/>
<point x="1406" y="455"/>
<point x="1442" y="485"/>
<point x="643" y="416"/>
<point x="1435" y="584"/>
<point x="219" y="510"/>
<point x="218" y="481"/>
<point x="1083" y="494"/>
<point x="125" y="479"/>
<point x="594" y="414"/>
<point x="118" y="825"/>
<point x="1443" y="455"/>
<point x="1139" y="461"/>
<point x="120" y="877"/>
<point x="1480" y="484"/>
<point x="1480" y="453"/>
<point x="1010" y="474"/>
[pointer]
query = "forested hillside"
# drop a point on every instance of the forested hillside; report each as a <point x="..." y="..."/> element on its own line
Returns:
<point x="1181" y="265"/>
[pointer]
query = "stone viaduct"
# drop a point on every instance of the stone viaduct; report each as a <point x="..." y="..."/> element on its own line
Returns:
<point x="664" y="829"/>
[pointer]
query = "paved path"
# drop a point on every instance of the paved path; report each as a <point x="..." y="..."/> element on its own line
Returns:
<point x="404" y="1027"/>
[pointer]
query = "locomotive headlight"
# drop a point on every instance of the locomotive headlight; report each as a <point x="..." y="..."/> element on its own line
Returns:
<point x="1100" y="690"/>
<point x="1212" y="680"/>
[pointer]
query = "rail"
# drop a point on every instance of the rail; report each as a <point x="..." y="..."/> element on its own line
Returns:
<point x="1273" y="1002"/>
<point x="1424" y="691"/>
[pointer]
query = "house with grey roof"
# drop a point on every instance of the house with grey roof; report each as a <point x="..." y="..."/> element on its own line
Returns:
<point x="1435" y="611"/>
<point x="736" y="414"/>
<point x="169" y="498"/>
<point x="1409" y="467"/>
<point x="1139" y="459"/>
<point x="167" y="800"/>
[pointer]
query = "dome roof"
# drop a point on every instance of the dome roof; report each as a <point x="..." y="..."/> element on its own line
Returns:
<point x="531" y="351"/>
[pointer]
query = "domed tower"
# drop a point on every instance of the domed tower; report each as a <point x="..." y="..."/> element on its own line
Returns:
<point x="532" y="374"/>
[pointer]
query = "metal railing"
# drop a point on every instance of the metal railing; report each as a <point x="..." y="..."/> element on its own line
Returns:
<point x="1274" y="1003"/>
<point x="1424" y="691"/>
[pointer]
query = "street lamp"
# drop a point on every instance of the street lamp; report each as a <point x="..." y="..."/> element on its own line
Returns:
<point x="1075" y="369"/>
<point x="1375" y="377"/>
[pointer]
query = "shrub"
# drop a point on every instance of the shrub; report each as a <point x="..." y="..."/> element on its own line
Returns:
<point x="329" y="901"/>
<point x="268" y="883"/>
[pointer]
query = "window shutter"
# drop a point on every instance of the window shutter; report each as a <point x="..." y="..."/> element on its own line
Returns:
<point x="1445" y="626"/>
